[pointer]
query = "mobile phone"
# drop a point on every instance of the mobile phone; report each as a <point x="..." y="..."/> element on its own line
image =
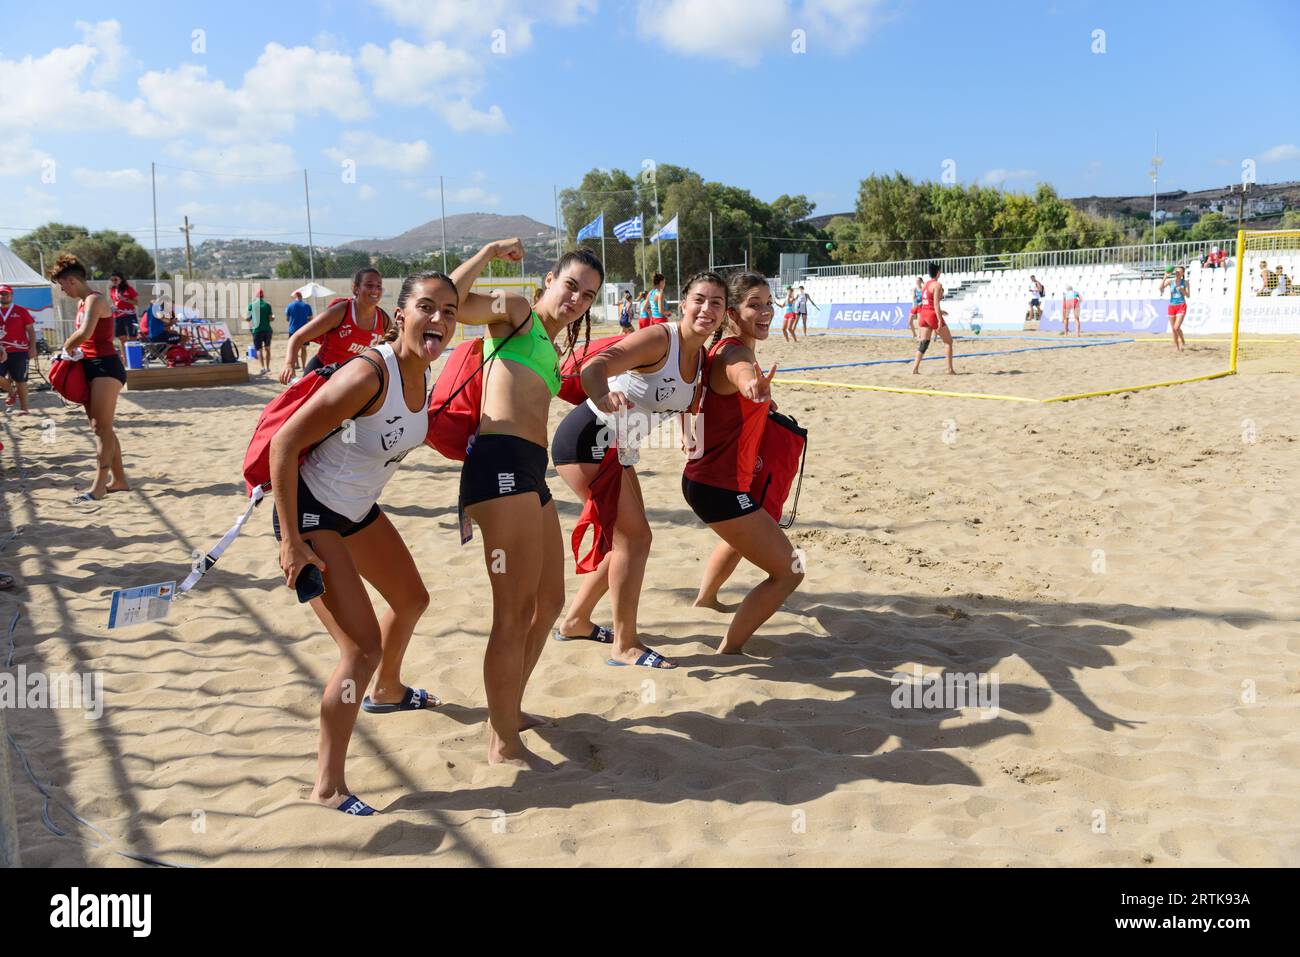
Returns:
<point x="310" y="584"/>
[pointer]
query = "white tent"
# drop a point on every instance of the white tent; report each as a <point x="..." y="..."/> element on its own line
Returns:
<point x="314" y="289"/>
<point x="15" y="272"/>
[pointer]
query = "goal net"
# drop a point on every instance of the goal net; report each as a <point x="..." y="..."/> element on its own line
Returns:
<point x="1266" y="302"/>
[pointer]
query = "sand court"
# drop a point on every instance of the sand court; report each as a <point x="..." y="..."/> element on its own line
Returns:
<point x="1124" y="565"/>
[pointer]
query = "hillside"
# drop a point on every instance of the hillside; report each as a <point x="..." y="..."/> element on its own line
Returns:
<point x="464" y="229"/>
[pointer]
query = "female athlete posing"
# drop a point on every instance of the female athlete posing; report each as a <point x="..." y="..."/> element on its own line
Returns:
<point x="652" y="373"/>
<point x="346" y="329"/>
<point x="717" y="485"/>
<point x="338" y="527"/>
<point x="503" y="482"/>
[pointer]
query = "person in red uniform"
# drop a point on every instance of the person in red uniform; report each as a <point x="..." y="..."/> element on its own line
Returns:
<point x="105" y="373"/>
<point x="16" y="340"/>
<point x="347" y="328"/>
<point x="125" y="301"/>
<point x="931" y="320"/>
<point x="717" y="484"/>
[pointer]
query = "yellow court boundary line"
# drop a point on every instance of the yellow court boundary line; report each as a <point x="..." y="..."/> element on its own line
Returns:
<point x="1004" y="398"/>
<point x="1162" y="341"/>
<point x="887" y="388"/>
<point x="1139" y="388"/>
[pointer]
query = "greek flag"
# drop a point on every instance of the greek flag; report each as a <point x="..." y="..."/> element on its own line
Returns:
<point x="668" y="231"/>
<point x="594" y="229"/>
<point x="629" y="229"/>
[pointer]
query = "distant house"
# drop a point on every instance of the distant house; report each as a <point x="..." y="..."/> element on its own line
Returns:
<point x="1188" y="217"/>
<point x="1162" y="215"/>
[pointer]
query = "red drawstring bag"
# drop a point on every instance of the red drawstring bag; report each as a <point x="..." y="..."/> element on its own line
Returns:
<point x="456" y="402"/>
<point x="571" y="390"/>
<point x="599" y="513"/>
<point x="781" y="455"/>
<point x="257" y="460"/>
<point x="68" y="379"/>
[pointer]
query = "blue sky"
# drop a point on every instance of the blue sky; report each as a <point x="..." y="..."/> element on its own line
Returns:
<point x="507" y="99"/>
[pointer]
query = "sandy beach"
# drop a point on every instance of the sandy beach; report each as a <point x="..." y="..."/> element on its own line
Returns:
<point x="1125" y="566"/>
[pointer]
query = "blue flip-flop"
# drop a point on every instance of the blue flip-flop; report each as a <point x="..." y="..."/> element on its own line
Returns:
<point x="355" y="806"/>
<point x="415" y="699"/>
<point x="648" y="659"/>
<point x="598" y="633"/>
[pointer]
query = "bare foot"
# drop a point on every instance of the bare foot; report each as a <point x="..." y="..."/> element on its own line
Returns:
<point x="530" y="721"/>
<point x="702" y="602"/>
<point x="516" y="755"/>
<point x="725" y="649"/>
<point x="118" y="488"/>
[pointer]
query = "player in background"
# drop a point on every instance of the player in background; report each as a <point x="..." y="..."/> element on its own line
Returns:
<point x="932" y="320"/>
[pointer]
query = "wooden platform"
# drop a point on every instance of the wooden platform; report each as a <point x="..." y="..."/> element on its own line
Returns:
<point x="187" y="377"/>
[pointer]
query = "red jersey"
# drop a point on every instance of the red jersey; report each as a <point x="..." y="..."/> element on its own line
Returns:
<point x="124" y="299"/>
<point x="732" y="428"/>
<point x="348" y="339"/>
<point x="15" y="328"/>
<point x="100" y="344"/>
<point x="927" y="302"/>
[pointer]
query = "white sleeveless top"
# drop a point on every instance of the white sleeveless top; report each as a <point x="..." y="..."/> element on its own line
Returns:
<point x="652" y="394"/>
<point x="349" y="470"/>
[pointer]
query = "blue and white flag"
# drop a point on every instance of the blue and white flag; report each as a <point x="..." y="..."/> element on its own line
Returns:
<point x="629" y="229"/>
<point x="594" y="229"/>
<point x="668" y="231"/>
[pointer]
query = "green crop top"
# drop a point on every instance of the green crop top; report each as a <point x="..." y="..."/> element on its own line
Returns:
<point x="533" y="349"/>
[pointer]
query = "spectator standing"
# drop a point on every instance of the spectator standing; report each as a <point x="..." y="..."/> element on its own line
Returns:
<point x="625" y="310"/>
<point x="260" y="317"/>
<point x="299" y="314"/>
<point x="1070" y="304"/>
<point x="1036" y="292"/>
<point x="16" y="340"/>
<point x="1280" y="281"/>
<point x="125" y="300"/>
<point x="801" y="308"/>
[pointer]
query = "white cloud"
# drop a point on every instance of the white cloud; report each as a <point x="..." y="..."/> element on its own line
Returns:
<point x="742" y="31"/>
<point x="283" y="85"/>
<point x="47" y="93"/>
<point x="18" y="156"/>
<point x="111" y="56"/>
<point x="233" y="160"/>
<point x="736" y="30"/>
<point x="434" y="75"/>
<point x="840" y="24"/>
<point x="1281" y="154"/>
<point x="370" y="150"/>
<point x="110" y="178"/>
<point x="462" y="117"/>
<point x="996" y="177"/>
<point x="466" y="196"/>
<point x="34" y="207"/>
<point x="368" y="192"/>
<point x="460" y="21"/>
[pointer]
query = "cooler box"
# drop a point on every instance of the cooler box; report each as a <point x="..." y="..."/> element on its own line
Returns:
<point x="134" y="354"/>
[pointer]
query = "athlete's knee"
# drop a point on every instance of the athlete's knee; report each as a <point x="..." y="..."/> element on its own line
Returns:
<point x="922" y="346"/>
<point x="638" y="538"/>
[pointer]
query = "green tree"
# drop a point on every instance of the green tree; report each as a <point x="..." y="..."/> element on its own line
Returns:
<point x="49" y="240"/>
<point x="1290" y="219"/>
<point x="1212" y="226"/>
<point x="107" y="251"/>
<point x="1169" y="233"/>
